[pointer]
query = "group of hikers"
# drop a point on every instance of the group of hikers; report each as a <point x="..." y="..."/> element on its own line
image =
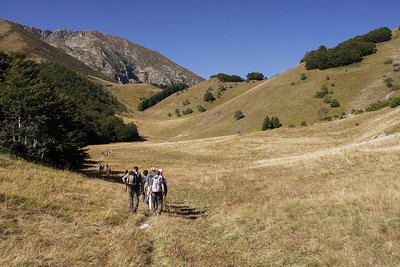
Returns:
<point x="151" y="187"/>
<point x="101" y="168"/>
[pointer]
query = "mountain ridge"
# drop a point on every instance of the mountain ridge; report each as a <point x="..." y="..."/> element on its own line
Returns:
<point x="118" y="58"/>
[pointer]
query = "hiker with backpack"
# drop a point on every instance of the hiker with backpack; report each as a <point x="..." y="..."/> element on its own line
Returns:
<point x="147" y="187"/>
<point x="143" y="189"/>
<point x="133" y="181"/>
<point x="157" y="190"/>
<point x="165" y="187"/>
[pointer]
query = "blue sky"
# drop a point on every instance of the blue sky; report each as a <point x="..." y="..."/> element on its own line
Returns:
<point x="207" y="37"/>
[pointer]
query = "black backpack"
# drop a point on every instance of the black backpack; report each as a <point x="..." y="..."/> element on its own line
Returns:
<point x="133" y="179"/>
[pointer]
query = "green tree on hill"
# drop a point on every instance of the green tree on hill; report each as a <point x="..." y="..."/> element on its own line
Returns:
<point x="255" y="76"/>
<point x="227" y="78"/>
<point x="238" y="115"/>
<point x="208" y="97"/>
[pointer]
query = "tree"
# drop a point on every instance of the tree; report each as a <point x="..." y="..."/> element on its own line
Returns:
<point x="157" y="97"/>
<point x="36" y="124"/>
<point x="238" y="115"/>
<point x="255" y="76"/>
<point x="275" y="122"/>
<point x="347" y="52"/>
<point x="266" y="124"/>
<point x="208" y="97"/>
<point x="335" y="103"/>
<point x="187" y="111"/>
<point x="227" y="78"/>
<point x="201" y="109"/>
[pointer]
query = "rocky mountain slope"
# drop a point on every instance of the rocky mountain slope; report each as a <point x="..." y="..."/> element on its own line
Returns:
<point x="117" y="58"/>
<point x="14" y="38"/>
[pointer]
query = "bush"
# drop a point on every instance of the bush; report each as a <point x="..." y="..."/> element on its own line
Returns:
<point x="238" y="115"/>
<point x="177" y="112"/>
<point x="201" y="109"/>
<point x="291" y="125"/>
<point x="389" y="82"/>
<point x="335" y="103"/>
<point x="186" y="102"/>
<point x="187" y="111"/>
<point x="303" y="77"/>
<point x="169" y="114"/>
<point x="255" y="76"/>
<point x="356" y="111"/>
<point x="388" y="61"/>
<point x="208" y="97"/>
<point x="321" y="92"/>
<point x="303" y="123"/>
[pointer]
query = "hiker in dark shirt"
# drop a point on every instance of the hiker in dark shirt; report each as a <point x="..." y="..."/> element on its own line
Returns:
<point x="133" y="180"/>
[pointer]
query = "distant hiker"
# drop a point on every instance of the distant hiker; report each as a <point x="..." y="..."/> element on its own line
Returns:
<point x="143" y="188"/>
<point x="99" y="167"/>
<point x="108" y="169"/>
<point x="157" y="192"/>
<point x="133" y="181"/>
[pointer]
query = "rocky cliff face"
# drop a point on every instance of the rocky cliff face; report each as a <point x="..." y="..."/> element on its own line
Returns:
<point x="117" y="58"/>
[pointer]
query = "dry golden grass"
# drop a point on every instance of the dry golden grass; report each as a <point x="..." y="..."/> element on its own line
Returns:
<point x="326" y="194"/>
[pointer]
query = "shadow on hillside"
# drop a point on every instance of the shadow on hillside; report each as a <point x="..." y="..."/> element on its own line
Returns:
<point x="179" y="209"/>
<point x="114" y="177"/>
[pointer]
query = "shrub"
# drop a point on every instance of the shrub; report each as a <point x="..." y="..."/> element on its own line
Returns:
<point x="303" y="77"/>
<point x="356" y="111"/>
<point x="177" y="112"/>
<point x="335" y="103"/>
<point x="186" y="102"/>
<point x="388" y="61"/>
<point x="209" y="97"/>
<point x="291" y="125"/>
<point x="389" y="82"/>
<point x="321" y="92"/>
<point x="221" y="88"/>
<point x="303" y="123"/>
<point x="169" y="114"/>
<point x="238" y="115"/>
<point x="255" y="76"/>
<point x="187" y="111"/>
<point x="327" y="78"/>
<point x="201" y="109"/>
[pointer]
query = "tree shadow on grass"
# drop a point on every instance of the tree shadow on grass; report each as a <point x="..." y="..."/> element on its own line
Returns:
<point x="114" y="176"/>
<point x="179" y="209"/>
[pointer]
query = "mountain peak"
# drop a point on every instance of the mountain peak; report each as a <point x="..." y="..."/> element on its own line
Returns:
<point x="120" y="59"/>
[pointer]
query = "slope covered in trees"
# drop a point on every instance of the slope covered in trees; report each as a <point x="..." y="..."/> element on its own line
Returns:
<point x="348" y="52"/>
<point x="49" y="113"/>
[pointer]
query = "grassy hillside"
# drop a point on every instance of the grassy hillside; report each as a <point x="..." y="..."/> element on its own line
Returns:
<point x="14" y="38"/>
<point x="326" y="194"/>
<point x="286" y="96"/>
<point x="129" y="94"/>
